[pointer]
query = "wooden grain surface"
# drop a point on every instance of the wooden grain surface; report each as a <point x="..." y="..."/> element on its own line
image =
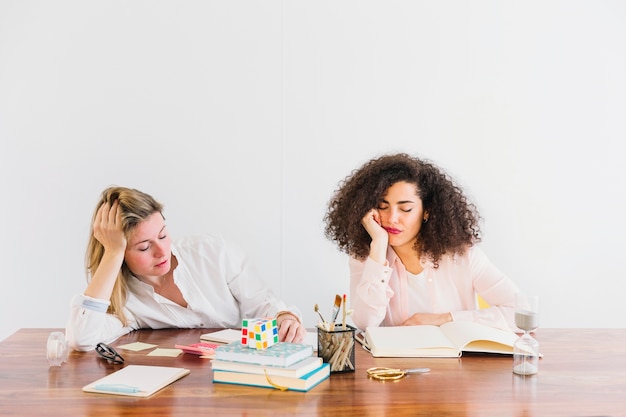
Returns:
<point x="583" y="373"/>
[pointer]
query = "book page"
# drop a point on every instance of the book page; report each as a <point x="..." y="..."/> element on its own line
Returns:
<point x="474" y="337"/>
<point x="222" y="336"/>
<point x="410" y="341"/>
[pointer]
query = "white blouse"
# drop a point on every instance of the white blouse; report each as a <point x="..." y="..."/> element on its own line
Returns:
<point x="215" y="278"/>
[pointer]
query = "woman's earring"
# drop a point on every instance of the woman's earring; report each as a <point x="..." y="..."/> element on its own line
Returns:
<point x="425" y="220"/>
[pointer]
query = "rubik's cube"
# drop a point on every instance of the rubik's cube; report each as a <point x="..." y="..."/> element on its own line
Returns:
<point x="259" y="333"/>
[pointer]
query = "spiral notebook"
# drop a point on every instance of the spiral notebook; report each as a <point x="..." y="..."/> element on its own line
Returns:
<point x="136" y="380"/>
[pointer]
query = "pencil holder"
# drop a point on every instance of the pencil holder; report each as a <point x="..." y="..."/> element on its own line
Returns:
<point x="336" y="347"/>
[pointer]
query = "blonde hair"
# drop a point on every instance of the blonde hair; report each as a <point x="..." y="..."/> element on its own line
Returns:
<point x="135" y="207"/>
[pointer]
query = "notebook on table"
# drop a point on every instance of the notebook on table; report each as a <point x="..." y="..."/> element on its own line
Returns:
<point x="136" y="380"/>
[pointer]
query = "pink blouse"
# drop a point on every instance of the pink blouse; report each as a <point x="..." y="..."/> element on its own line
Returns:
<point x="380" y="293"/>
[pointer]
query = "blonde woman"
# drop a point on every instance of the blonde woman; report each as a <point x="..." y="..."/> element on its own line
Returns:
<point x="139" y="278"/>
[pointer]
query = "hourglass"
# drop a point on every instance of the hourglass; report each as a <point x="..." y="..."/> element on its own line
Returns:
<point x="526" y="348"/>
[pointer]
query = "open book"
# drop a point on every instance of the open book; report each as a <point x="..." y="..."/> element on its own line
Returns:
<point x="448" y="340"/>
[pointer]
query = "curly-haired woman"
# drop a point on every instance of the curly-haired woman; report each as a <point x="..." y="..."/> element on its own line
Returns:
<point x="411" y="234"/>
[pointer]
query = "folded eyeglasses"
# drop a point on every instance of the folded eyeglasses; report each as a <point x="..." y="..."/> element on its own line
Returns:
<point x="108" y="353"/>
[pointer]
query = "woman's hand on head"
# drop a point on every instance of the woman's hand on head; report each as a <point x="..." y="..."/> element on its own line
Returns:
<point x="380" y="238"/>
<point x="372" y="224"/>
<point x="290" y="329"/>
<point x="107" y="227"/>
<point x="432" y="319"/>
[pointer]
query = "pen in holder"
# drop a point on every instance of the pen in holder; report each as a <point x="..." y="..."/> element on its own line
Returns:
<point x="336" y="347"/>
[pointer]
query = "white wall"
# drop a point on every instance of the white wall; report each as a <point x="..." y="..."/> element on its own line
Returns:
<point x="242" y="117"/>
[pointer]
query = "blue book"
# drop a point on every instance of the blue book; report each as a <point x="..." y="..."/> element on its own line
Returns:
<point x="304" y="383"/>
<point x="280" y="354"/>
<point x="294" y="371"/>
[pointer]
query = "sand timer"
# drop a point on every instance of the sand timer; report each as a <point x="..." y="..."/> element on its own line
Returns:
<point x="526" y="348"/>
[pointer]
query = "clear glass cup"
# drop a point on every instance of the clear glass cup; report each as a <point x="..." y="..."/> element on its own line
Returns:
<point x="57" y="349"/>
<point x="526" y="348"/>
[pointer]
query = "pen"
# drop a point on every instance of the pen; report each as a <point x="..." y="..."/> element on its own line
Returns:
<point x="345" y="301"/>
<point x="117" y="388"/>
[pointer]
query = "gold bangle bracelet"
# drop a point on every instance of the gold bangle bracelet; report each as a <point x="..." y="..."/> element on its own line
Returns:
<point x="282" y="313"/>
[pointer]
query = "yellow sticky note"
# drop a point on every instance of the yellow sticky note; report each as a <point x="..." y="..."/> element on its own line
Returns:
<point x="165" y="352"/>
<point x="137" y="346"/>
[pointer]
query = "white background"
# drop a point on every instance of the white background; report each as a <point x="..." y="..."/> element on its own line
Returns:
<point x="243" y="116"/>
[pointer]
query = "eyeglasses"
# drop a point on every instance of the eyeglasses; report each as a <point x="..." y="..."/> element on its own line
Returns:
<point x="108" y="353"/>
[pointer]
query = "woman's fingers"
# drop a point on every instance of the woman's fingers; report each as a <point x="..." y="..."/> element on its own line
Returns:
<point x="107" y="227"/>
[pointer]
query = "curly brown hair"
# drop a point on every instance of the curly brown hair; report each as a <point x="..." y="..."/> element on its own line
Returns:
<point x="453" y="221"/>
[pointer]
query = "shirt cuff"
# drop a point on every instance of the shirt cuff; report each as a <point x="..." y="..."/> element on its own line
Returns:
<point x="94" y="304"/>
<point x="375" y="272"/>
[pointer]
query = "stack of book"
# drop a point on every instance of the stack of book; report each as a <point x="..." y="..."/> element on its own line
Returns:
<point x="284" y="366"/>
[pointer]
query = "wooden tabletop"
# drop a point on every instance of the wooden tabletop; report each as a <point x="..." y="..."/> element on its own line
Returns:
<point x="582" y="373"/>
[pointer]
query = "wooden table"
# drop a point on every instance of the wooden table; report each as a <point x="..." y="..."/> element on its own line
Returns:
<point x="583" y="373"/>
